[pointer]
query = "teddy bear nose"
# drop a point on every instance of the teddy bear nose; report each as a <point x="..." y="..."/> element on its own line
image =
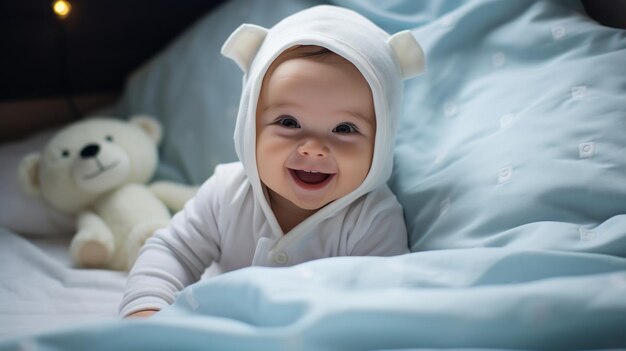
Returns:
<point x="90" y="150"/>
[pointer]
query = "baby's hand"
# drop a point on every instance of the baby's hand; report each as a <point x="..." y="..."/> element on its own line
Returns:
<point x="142" y="314"/>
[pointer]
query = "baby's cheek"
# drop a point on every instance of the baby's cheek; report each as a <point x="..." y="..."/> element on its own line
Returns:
<point x="358" y="152"/>
<point x="357" y="164"/>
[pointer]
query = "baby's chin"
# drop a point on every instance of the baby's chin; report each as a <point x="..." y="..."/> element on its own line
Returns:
<point x="313" y="205"/>
<point x="302" y="205"/>
<point x="305" y="205"/>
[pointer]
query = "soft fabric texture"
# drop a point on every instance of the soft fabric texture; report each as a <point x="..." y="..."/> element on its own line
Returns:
<point x="224" y="228"/>
<point x="41" y="291"/>
<point x="515" y="136"/>
<point x="475" y="299"/>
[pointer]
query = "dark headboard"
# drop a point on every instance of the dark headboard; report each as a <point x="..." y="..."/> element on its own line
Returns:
<point x="611" y="13"/>
<point x="87" y="55"/>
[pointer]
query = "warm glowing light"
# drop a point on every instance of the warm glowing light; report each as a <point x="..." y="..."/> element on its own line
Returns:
<point x="62" y="8"/>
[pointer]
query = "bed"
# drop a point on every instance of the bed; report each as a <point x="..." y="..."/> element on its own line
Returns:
<point x="510" y="164"/>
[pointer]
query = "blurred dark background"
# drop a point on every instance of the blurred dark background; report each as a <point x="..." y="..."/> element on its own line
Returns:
<point x="55" y="70"/>
<point x="101" y="40"/>
<point x="45" y="61"/>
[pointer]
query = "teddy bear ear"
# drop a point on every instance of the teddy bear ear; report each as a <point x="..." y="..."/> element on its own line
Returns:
<point x="28" y="173"/>
<point x="243" y="44"/>
<point x="149" y="125"/>
<point x="409" y="53"/>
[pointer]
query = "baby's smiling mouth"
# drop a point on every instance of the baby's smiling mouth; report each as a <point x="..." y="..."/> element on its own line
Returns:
<point x="310" y="178"/>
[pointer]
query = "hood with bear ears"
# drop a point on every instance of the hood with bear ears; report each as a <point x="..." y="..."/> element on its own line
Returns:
<point x="383" y="60"/>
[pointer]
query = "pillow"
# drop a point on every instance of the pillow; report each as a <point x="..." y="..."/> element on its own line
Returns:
<point x="516" y="134"/>
<point x="194" y="91"/>
<point x="20" y="212"/>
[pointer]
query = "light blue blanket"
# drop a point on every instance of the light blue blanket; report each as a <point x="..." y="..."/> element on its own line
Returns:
<point x="510" y="164"/>
<point x="475" y="298"/>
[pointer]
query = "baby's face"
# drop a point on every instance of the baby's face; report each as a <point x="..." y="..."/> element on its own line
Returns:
<point x="315" y="129"/>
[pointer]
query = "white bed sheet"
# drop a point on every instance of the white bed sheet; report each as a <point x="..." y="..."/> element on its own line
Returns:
<point x="41" y="291"/>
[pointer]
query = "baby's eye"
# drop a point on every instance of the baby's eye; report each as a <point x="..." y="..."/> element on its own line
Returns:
<point x="65" y="153"/>
<point x="346" y="128"/>
<point x="287" y="122"/>
<point x="109" y="138"/>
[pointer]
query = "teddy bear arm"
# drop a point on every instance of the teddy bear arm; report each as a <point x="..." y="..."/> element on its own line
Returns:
<point x="93" y="244"/>
<point x="173" y="195"/>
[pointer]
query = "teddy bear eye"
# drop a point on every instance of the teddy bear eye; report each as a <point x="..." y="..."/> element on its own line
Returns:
<point x="65" y="153"/>
<point x="109" y="138"/>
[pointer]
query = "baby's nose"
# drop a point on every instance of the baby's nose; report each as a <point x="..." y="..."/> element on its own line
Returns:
<point x="313" y="148"/>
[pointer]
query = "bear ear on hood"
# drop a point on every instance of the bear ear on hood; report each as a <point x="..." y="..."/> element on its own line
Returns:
<point x="243" y="44"/>
<point x="408" y="52"/>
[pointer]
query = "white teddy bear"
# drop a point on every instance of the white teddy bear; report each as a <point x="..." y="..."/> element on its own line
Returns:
<point x="96" y="170"/>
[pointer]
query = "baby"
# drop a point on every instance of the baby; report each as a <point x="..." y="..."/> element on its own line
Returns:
<point x="315" y="136"/>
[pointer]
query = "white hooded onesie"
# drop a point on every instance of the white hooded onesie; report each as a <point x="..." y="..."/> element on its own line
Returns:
<point x="229" y="224"/>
